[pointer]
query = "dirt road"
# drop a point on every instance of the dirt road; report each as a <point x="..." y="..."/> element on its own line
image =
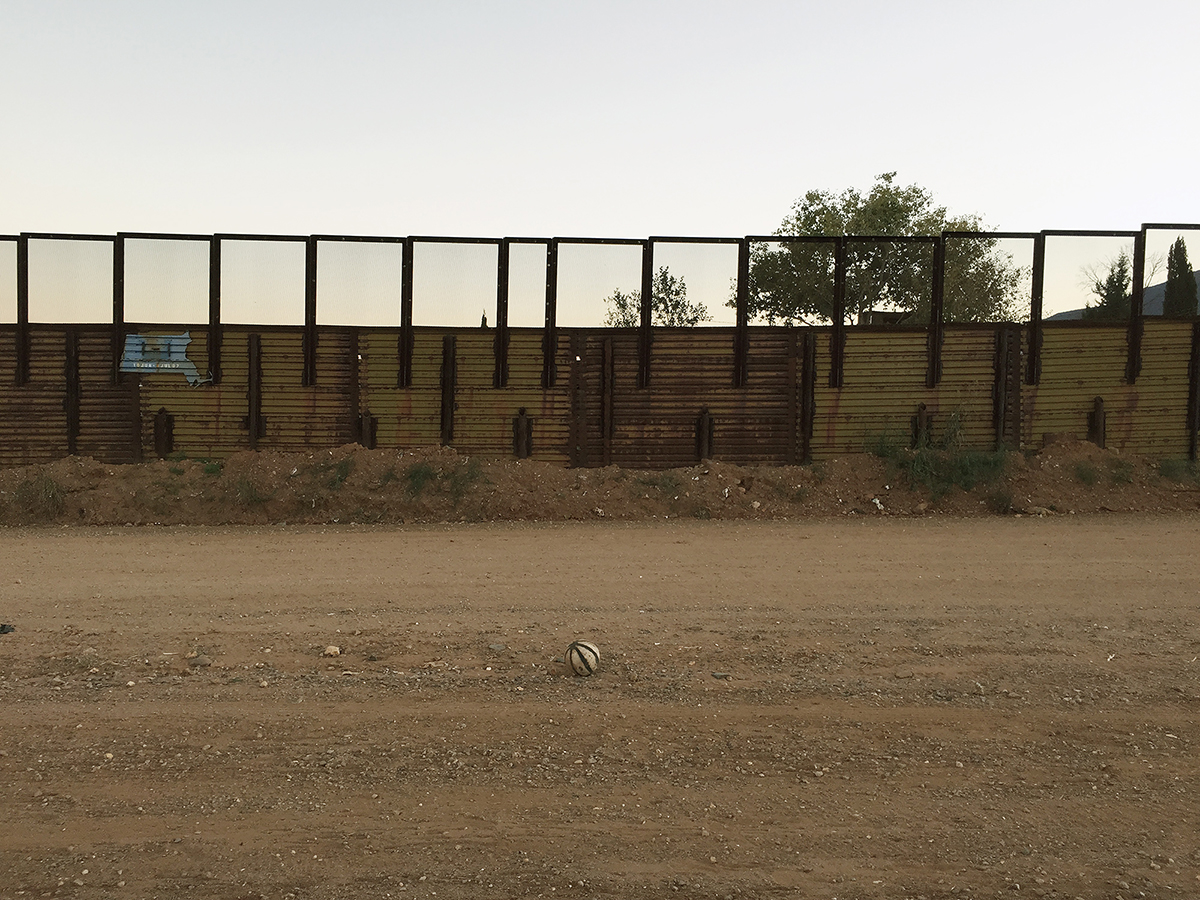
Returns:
<point x="828" y="708"/>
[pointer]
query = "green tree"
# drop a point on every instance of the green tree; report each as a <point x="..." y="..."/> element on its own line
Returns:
<point x="1112" y="292"/>
<point x="1179" y="299"/>
<point x="669" y="305"/>
<point x="793" y="283"/>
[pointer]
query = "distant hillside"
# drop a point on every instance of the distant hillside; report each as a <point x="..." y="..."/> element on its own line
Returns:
<point x="1152" y="303"/>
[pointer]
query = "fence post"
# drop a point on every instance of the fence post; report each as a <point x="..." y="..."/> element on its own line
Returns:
<point x="550" y="334"/>
<point x="808" y="394"/>
<point x="1006" y="390"/>
<point x="214" y="310"/>
<point x="1193" y="412"/>
<point x="500" y="344"/>
<point x="837" y="334"/>
<point x="1033" y="365"/>
<point x="1133" y="359"/>
<point x="404" y="343"/>
<point x="255" y="421"/>
<point x="645" y="335"/>
<point x="309" y="374"/>
<point x="22" y="330"/>
<point x="741" y="334"/>
<point x="608" y="430"/>
<point x="937" y="327"/>
<point x="71" y="401"/>
<point x="577" y="450"/>
<point x="449" y="386"/>
<point x="118" y="315"/>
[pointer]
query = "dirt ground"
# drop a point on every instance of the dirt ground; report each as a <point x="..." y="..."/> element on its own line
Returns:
<point x="850" y="707"/>
<point x="352" y="485"/>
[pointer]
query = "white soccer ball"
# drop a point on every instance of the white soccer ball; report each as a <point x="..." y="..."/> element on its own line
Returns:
<point x="583" y="657"/>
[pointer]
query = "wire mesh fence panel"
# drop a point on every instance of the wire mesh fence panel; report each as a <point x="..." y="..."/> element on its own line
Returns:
<point x="454" y="284"/>
<point x="791" y="282"/>
<point x="8" y="282"/>
<point x="1087" y="277"/>
<point x="988" y="279"/>
<point x="262" y="282"/>
<point x="694" y="284"/>
<point x="599" y="285"/>
<point x="70" y="281"/>
<point x="889" y="282"/>
<point x="1172" y="254"/>
<point x="166" y="281"/>
<point x="359" y="282"/>
<point x="527" y="285"/>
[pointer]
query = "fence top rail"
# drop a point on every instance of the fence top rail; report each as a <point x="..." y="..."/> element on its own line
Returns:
<point x="1166" y="226"/>
<point x="590" y="240"/>
<point x="261" y="237"/>
<point x="1005" y="235"/>
<point x="358" y="238"/>
<point x="56" y="236"/>
<point x="10" y="237"/>
<point x="441" y="239"/>
<point x="1084" y="232"/>
<point x="162" y="236"/>
<point x="675" y="239"/>
<point x="529" y="240"/>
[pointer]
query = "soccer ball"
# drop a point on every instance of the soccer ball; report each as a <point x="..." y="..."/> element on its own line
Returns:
<point x="583" y="657"/>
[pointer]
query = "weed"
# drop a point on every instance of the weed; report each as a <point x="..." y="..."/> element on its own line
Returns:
<point x="884" y="445"/>
<point x="388" y="477"/>
<point x="1122" y="471"/>
<point x="1177" y="470"/>
<point x="941" y="470"/>
<point x="942" y="464"/>
<point x="462" y="478"/>
<point x="1000" y="502"/>
<point x="213" y="467"/>
<point x="248" y="493"/>
<point x="341" y="472"/>
<point x="40" y="497"/>
<point x="665" y="482"/>
<point x="418" y="476"/>
<point x="1086" y="472"/>
<point x="702" y="512"/>
<point x="175" y="470"/>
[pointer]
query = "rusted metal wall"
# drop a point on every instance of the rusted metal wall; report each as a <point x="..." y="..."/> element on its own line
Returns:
<point x="595" y="413"/>
<point x="885" y="382"/>
<point x="1083" y="363"/>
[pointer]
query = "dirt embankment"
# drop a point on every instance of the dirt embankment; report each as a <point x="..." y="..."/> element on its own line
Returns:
<point x="353" y="485"/>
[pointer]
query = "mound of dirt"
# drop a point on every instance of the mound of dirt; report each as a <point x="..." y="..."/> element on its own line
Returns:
<point x="353" y="485"/>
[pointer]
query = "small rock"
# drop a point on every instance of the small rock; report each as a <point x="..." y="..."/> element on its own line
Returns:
<point x="332" y="650"/>
<point x="199" y="661"/>
<point x="724" y="675"/>
<point x="904" y="673"/>
<point x="497" y="648"/>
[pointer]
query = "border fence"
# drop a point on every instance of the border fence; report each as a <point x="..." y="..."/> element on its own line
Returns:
<point x="207" y="379"/>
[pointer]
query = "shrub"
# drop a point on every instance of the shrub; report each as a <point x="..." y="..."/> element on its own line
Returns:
<point x="40" y="497"/>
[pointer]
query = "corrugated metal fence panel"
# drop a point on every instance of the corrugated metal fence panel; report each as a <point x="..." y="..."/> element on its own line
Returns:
<point x="109" y="419"/>
<point x="207" y="417"/>
<point x="1154" y="421"/>
<point x="965" y="391"/>
<point x="884" y="381"/>
<point x="483" y="418"/>
<point x="1079" y="363"/>
<point x="298" y="417"/>
<point x="692" y="371"/>
<point x="33" y="419"/>
<point x="411" y="416"/>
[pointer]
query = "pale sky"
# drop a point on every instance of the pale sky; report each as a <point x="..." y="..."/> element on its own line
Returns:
<point x="622" y="119"/>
